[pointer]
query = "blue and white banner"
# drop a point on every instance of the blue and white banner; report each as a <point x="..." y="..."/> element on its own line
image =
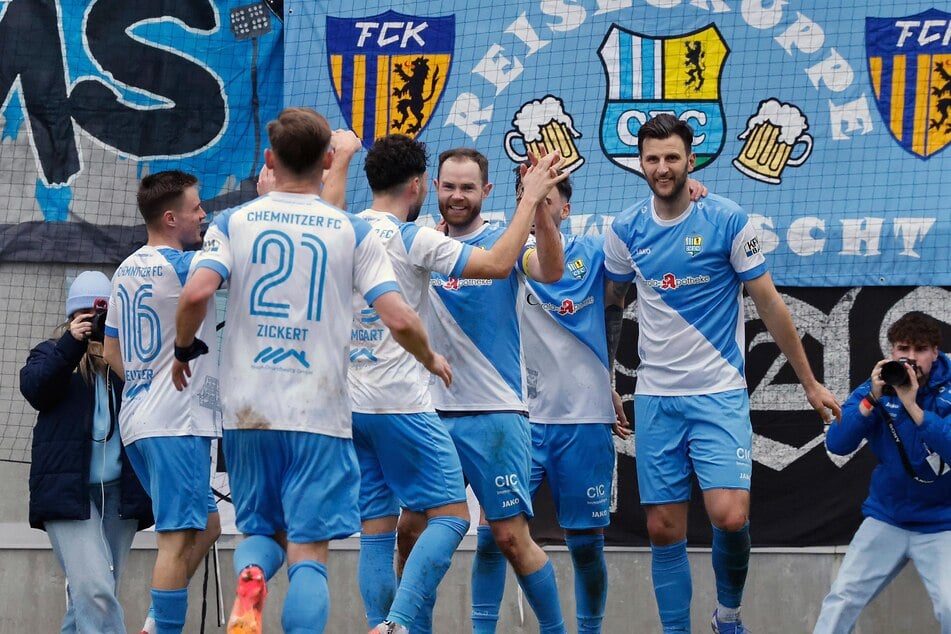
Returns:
<point x="828" y="122"/>
<point x="94" y="94"/>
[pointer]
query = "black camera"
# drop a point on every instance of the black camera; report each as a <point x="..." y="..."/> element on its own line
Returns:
<point x="894" y="373"/>
<point x="98" y="321"/>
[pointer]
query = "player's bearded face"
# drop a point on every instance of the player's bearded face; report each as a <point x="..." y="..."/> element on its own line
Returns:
<point x="460" y="192"/>
<point x="666" y="164"/>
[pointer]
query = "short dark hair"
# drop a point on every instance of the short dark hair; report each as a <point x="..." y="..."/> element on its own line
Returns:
<point x="664" y="126"/>
<point x="564" y="187"/>
<point x="466" y="154"/>
<point x="915" y="328"/>
<point x="161" y="191"/>
<point x="394" y="160"/>
<point x="299" y="137"/>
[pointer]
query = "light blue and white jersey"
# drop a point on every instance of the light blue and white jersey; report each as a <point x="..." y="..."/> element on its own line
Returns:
<point x="293" y="263"/>
<point x="384" y="378"/>
<point x="689" y="273"/>
<point x="475" y="324"/>
<point x="563" y="340"/>
<point x="145" y="292"/>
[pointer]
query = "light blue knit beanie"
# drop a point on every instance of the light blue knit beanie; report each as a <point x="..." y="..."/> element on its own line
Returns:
<point x="86" y="289"/>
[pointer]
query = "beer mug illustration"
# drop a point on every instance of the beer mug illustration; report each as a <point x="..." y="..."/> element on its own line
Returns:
<point x="543" y="125"/>
<point x="771" y="135"/>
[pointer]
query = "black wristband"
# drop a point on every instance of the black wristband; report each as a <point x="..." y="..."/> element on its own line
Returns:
<point x="195" y="350"/>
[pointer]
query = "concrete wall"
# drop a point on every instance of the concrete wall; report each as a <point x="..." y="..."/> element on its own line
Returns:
<point x="783" y="595"/>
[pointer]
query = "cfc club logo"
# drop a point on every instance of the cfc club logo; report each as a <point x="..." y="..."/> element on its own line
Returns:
<point x="693" y="244"/>
<point x="578" y="269"/>
<point x="648" y="75"/>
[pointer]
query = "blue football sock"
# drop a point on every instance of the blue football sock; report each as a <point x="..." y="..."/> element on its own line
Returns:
<point x="375" y="575"/>
<point x="426" y="566"/>
<point x="170" y="608"/>
<point x="591" y="580"/>
<point x="672" y="585"/>
<point x="488" y="582"/>
<point x="260" y="551"/>
<point x="731" y="561"/>
<point x="541" y="592"/>
<point x="307" y="604"/>
<point x="423" y="623"/>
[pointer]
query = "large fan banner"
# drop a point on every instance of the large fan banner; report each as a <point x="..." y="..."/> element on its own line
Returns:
<point x="827" y="122"/>
<point x="96" y="94"/>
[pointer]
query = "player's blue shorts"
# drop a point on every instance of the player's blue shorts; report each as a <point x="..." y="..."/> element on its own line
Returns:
<point x="302" y="483"/>
<point x="707" y="434"/>
<point x="176" y="473"/>
<point x="406" y="459"/>
<point x="496" y="455"/>
<point x="578" y="460"/>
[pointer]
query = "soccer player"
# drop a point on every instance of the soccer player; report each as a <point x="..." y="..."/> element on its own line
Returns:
<point x="475" y="320"/>
<point x="569" y="398"/>
<point x="405" y="452"/>
<point x="293" y="263"/>
<point x="167" y="435"/>
<point x="691" y="262"/>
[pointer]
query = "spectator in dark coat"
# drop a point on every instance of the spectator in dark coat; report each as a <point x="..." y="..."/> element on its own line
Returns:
<point x="83" y="491"/>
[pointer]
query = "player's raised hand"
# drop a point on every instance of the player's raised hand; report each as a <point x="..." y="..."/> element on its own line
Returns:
<point x="345" y="142"/>
<point x="544" y="173"/>
<point x="439" y="366"/>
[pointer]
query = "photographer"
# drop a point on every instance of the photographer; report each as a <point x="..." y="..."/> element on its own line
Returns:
<point x="83" y="491"/>
<point x="906" y="418"/>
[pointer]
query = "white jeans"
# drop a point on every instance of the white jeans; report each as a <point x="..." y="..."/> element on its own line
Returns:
<point x="876" y="555"/>
<point x="86" y="550"/>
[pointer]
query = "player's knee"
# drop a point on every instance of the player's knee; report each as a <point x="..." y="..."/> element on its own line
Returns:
<point x="731" y="520"/>
<point x="213" y="528"/>
<point x="663" y="530"/>
<point x="512" y="538"/>
<point x="506" y="539"/>
<point x="176" y="545"/>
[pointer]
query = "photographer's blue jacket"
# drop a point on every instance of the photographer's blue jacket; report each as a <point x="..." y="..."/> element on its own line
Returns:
<point x="62" y="438"/>
<point x="894" y="497"/>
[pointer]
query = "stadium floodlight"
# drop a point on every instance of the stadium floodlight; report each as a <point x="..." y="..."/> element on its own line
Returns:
<point x="249" y="22"/>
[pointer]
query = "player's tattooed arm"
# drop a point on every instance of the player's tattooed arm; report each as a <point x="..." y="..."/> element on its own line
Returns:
<point x="614" y="294"/>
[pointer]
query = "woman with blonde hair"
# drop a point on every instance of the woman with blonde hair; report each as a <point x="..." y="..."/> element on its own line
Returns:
<point x="83" y="491"/>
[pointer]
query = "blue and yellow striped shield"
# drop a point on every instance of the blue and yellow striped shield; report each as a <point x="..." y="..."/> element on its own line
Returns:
<point x="389" y="70"/>
<point x="909" y="64"/>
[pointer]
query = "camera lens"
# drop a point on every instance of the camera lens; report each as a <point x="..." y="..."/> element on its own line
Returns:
<point x="894" y="373"/>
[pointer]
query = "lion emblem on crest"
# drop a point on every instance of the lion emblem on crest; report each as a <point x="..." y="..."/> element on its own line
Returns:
<point x="414" y="84"/>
